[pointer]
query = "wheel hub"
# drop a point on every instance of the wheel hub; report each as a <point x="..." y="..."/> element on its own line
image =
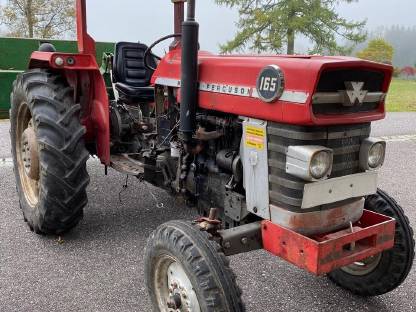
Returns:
<point x="30" y="153"/>
<point x="175" y="301"/>
<point x="363" y="267"/>
<point x="181" y="294"/>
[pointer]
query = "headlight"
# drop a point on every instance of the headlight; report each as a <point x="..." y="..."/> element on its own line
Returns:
<point x="320" y="164"/>
<point x="372" y="154"/>
<point x="310" y="163"/>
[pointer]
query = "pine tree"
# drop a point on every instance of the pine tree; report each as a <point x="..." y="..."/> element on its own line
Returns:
<point x="270" y="25"/>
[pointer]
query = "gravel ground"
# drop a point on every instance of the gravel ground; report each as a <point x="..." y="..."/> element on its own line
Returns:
<point x="99" y="265"/>
<point x="4" y="139"/>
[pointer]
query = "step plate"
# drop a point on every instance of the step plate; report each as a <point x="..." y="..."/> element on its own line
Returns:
<point x="125" y="164"/>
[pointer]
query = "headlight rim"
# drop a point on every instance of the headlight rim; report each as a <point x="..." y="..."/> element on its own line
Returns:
<point x="298" y="161"/>
<point x="328" y="168"/>
<point x="381" y="157"/>
<point x="366" y="147"/>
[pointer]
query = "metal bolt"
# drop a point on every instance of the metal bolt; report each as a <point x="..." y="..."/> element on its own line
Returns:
<point x="227" y="245"/>
<point x="255" y="209"/>
<point x="213" y="213"/>
<point x="70" y="61"/>
<point x="244" y="241"/>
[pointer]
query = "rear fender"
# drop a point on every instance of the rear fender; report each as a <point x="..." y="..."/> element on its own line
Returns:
<point x="83" y="74"/>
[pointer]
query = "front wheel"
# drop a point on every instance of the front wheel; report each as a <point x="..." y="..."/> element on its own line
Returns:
<point x="186" y="271"/>
<point x="384" y="272"/>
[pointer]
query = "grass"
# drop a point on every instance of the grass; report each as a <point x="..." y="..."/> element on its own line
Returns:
<point x="402" y="96"/>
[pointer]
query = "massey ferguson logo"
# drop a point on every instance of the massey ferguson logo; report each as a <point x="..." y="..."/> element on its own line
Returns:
<point x="354" y="95"/>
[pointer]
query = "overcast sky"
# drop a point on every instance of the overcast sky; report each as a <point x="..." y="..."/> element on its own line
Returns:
<point x="147" y="20"/>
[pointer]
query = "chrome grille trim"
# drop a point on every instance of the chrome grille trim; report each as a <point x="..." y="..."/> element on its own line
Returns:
<point x="286" y="190"/>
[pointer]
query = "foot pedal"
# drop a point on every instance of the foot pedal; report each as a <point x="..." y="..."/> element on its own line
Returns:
<point x="125" y="164"/>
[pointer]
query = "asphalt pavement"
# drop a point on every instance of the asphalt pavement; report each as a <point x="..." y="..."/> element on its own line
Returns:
<point x="98" y="266"/>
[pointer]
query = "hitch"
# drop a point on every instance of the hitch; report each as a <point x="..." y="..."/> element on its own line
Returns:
<point x="240" y="239"/>
<point x="210" y="224"/>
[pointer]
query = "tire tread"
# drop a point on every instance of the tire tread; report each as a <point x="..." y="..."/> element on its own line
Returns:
<point x="391" y="273"/>
<point x="62" y="152"/>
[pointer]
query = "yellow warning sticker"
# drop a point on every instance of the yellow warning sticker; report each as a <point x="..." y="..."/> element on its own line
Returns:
<point x="255" y="137"/>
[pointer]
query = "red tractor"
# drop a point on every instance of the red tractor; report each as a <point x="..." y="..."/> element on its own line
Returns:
<point x="274" y="151"/>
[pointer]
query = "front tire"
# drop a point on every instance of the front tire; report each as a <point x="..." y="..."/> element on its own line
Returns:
<point x="186" y="271"/>
<point x="48" y="152"/>
<point x="384" y="272"/>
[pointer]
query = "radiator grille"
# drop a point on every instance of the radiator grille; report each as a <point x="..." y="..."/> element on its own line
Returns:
<point x="334" y="81"/>
<point x="287" y="191"/>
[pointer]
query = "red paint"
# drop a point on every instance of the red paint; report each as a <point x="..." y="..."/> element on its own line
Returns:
<point x="81" y="61"/>
<point x="302" y="73"/>
<point x="86" y="45"/>
<point x="84" y="73"/>
<point x="325" y="253"/>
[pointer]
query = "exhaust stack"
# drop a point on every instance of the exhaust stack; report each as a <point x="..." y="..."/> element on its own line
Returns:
<point x="189" y="74"/>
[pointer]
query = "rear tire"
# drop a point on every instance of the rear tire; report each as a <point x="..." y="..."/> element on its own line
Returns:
<point x="48" y="152"/>
<point x="382" y="273"/>
<point x="183" y="265"/>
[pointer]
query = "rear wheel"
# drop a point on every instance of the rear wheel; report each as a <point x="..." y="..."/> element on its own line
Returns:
<point x="48" y="152"/>
<point x="384" y="272"/>
<point x="186" y="271"/>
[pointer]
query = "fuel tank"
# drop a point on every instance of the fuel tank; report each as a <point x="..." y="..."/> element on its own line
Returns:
<point x="315" y="90"/>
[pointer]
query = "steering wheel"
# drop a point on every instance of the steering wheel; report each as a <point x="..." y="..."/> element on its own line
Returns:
<point x="148" y="51"/>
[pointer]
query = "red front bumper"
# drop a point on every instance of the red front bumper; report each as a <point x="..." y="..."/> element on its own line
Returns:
<point x="321" y="254"/>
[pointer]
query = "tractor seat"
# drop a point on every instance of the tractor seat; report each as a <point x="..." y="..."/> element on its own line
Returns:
<point x="131" y="77"/>
<point x="136" y="94"/>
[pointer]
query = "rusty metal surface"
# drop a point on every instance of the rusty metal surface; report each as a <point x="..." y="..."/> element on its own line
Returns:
<point x="324" y="221"/>
<point x="241" y="239"/>
<point x="125" y="164"/>
<point x="322" y="254"/>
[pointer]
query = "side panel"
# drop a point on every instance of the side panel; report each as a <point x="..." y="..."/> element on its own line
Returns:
<point x="256" y="169"/>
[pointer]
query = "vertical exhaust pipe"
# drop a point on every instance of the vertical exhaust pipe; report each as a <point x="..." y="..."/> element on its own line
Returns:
<point x="189" y="74"/>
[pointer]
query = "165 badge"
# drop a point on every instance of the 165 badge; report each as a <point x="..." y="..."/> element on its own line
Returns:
<point x="270" y="83"/>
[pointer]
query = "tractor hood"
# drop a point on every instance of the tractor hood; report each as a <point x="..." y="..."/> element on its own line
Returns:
<point x="305" y="90"/>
